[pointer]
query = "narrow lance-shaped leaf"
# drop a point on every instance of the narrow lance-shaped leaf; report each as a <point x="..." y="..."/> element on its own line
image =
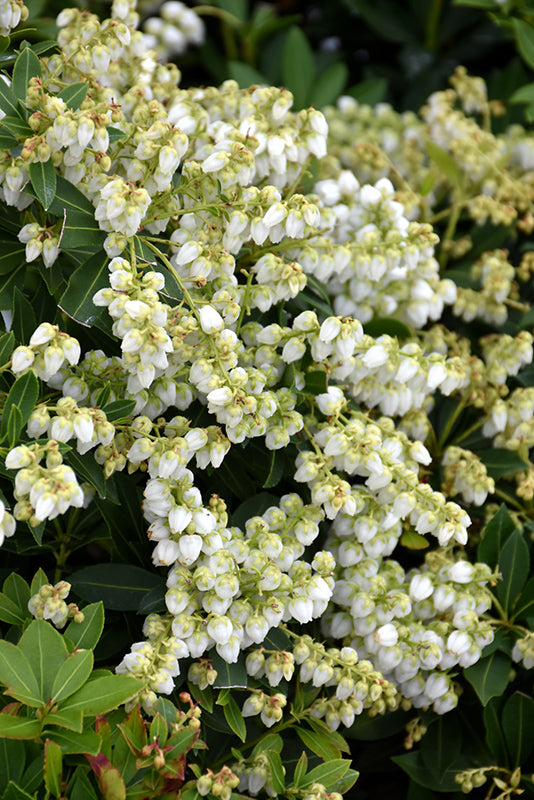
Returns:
<point x="74" y="94"/>
<point x="9" y="103"/>
<point x="53" y="767"/>
<point x="22" y="395"/>
<point x="43" y="177"/>
<point x="26" y="66"/>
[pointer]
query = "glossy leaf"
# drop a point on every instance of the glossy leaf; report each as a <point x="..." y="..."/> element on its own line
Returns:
<point x="24" y="320"/>
<point x="495" y="738"/>
<point x="10" y="612"/>
<point x="74" y="94"/>
<point x="82" y="788"/>
<point x="44" y="181"/>
<point x="9" y="103"/>
<point x="53" y="767"/>
<point x="14" y="426"/>
<point x="87" y="468"/>
<point x="489" y="676"/>
<point x="118" y="586"/>
<point x="497" y="531"/>
<point x="390" y="327"/>
<point x="26" y="66"/>
<point x="518" y="728"/>
<point x="500" y="462"/>
<point x="234" y="718"/>
<point x="12" y="761"/>
<point x="119" y="409"/>
<point x="72" y="674"/>
<point x="514" y="561"/>
<point x="80" y="232"/>
<point x="300" y="769"/>
<point x="12" y="278"/>
<point x="16" y="127"/>
<point x="71" y="742"/>
<point x="85" y="635"/>
<point x="65" y="718"/>
<point x="318" y="743"/>
<point x="45" y="649"/>
<point x="77" y="299"/>
<point x="524" y="606"/>
<point x="102" y="695"/>
<point x="16" y="588"/>
<point x="14" y="792"/>
<point x="7" y="344"/>
<point x="415" y="767"/>
<point x="442" y="744"/>
<point x="23" y="395"/>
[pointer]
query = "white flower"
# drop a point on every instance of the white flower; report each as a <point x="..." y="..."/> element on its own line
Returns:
<point x="420" y="588"/>
<point x="210" y="320"/>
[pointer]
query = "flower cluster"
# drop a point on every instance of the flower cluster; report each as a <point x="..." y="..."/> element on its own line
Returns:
<point x="49" y="603"/>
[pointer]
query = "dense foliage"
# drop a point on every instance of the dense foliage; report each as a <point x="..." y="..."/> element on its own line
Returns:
<point x="267" y="402"/>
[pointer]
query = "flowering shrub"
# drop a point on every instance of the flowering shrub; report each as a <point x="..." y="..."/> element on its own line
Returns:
<point x="230" y="405"/>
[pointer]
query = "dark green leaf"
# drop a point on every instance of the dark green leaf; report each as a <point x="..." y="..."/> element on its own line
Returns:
<point x="11" y="254"/>
<point x="7" y="345"/>
<point x="74" y="94"/>
<point x="12" y="279"/>
<point x="77" y="299"/>
<point x="525" y="94"/>
<point x="16" y="126"/>
<point x="85" y="635"/>
<point x="115" y="134"/>
<point x="81" y="787"/>
<point x="489" y="676"/>
<point x="328" y="773"/>
<point x="329" y="85"/>
<point x="277" y="771"/>
<point x="102" y="695"/>
<point x="525" y="602"/>
<point x="234" y="718"/>
<point x="38" y="580"/>
<point x="518" y="728"/>
<point x="10" y="612"/>
<point x="229" y="675"/>
<point x="391" y="327"/>
<point x="26" y="66"/>
<point x="487" y="5"/>
<point x="72" y="674"/>
<point x="497" y="531"/>
<point x="524" y="35"/>
<point x="86" y="467"/>
<point x="500" y="462"/>
<point x="495" y="738"/>
<point x="8" y="101"/>
<point x="253" y="507"/>
<point x="369" y="92"/>
<point x="23" y="397"/>
<point x="14" y="426"/>
<point x="44" y="180"/>
<point x="276" y="470"/>
<point x="153" y="602"/>
<point x="16" y="588"/>
<point x="24" y="321"/>
<point x="513" y="564"/>
<point x="442" y="744"/>
<point x="14" y="792"/>
<point x="118" y="586"/>
<point x="414" y="766"/>
<point x="316" y="382"/>
<point x="271" y="741"/>
<point x="12" y="761"/>
<point x="80" y="231"/>
<point x="118" y="409"/>
<point x="65" y="718"/>
<point x="18" y="727"/>
<point x="245" y="75"/>
<point x="298" y="68"/>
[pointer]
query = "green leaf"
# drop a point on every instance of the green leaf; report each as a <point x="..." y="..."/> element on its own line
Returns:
<point x="298" y="68"/>
<point x="46" y="650"/>
<point x="18" y="727"/>
<point x="109" y="778"/>
<point x="22" y="396"/>
<point x="7" y="140"/>
<point x="442" y="744"/>
<point x="14" y="426"/>
<point x="277" y="771"/>
<point x="86" y="634"/>
<point x="524" y="35"/>
<point x="153" y="602"/>
<point x="487" y="5"/>
<point x="518" y="728"/>
<point x="8" y="101"/>
<point x="14" y="792"/>
<point x="276" y="470"/>
<point x="335" y="738"/>
<point x="74" y="94"/>
<point x="86" y="467"/>
<point x="43" y="177"/>
<point x="81" y="232"/>
<point x="12" y="279"/>
<point x="330" y="84"/>
<point x="81" y="786"/>
<point x="72" y="674"/>
<point x="71" y="742"/>
<point x="328" y="773"/>
<point x="84" y="283"/>
<point x="391" y="327"/>
<point x="524" y="606"/>
<point x="24" y="319"/>
<point x="414" y="766"/>
<point x="525" y="94"/>
<point x="319" y="744"/>
<point x="16" y="673"/>
<point x="300" y="769"/>
<point x="102" y="695"/>
<point x="118" y="409"/>
<point x="369" y="92"/>
<point x="53" y="767"/>
<point x="346" y="782"/>
<point x="7" y="343"/>
<point x="445" y="162"/>
<point x="16" y="588"/>
<point x="495" y="738"/>
<point x="119" y="586"/>
<point x="233" y="676"/>
<point x="115" y="134"/>
<point x="489" y="676"/>
<point x="12" y="761"/>
<point x="234" y="718"/>
<point x="10" y="612"/>
<point x="70" y="719"/>
<point x="414" y="541"/>
<point x="245" y="75"/>
<point x="26" y="66"/>
<point x="39" y="579"/>
<point x="500" y="462"/>
<point x="16" y="127"/>
<point x="497" y="531"/>
<point x="514" y="562"/>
